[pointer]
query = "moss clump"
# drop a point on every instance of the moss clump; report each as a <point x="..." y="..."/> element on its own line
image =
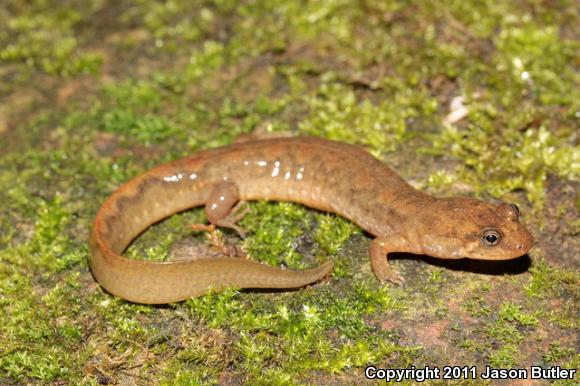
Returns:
<point x="513" y="312"/>
<point x="292" y="332"/>
<point x="276" y="229"/>
<point x="505" y="357"/>
<point x="42" y="36"/>
<point x="500" y="171"/>
<point x="506" y="333"/>
<point x="336" y="113"/>
<point x="547" y="280"/>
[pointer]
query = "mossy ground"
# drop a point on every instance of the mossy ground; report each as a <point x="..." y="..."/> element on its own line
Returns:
<point x="92" y="93"/>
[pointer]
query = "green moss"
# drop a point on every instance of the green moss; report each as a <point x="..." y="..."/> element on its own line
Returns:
<point x="477" y="307"/>
<point x="556" y="353"/>
<point x="529" y="66"/>
<point x="49" y="246"/>
<point x="547" y="279"/>
<point x="513" y="312"/>
<point x="155" y="243"/>
<point x="43" y="37"/>
<point x="505" y="357"/>
<point x="505" y="332"/>
<point x="540" y="153"/>
<point x="42" y="332"/>
<point x="332" y="231"/>
<point x="471" y="345"/>
<point x="508" y="334"/>
<point x="337" y="113"/>
<point x="297" y="335"/>
<point x="538" y="58"/>
<point x="276" y="228"/>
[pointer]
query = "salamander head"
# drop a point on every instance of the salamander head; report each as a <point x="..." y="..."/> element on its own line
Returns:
<point x="465" y="227"/>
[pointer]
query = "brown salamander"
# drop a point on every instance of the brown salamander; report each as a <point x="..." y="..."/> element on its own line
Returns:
<point x="326" y="175"/>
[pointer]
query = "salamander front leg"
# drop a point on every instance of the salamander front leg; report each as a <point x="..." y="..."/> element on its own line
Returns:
<point x="380" y="247"/>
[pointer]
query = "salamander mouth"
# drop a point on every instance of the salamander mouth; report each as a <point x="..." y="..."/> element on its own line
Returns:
<point x="499" y="254"/>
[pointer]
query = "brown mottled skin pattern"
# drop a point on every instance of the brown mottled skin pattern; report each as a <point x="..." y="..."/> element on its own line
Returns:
<point x="326" y="175"/>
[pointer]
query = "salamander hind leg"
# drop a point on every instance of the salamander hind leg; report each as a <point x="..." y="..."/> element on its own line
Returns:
<point x="223" y="209"/>
<point x="383" y="271"/>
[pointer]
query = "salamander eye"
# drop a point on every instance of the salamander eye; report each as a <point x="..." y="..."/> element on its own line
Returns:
<point x="490" y="238"/>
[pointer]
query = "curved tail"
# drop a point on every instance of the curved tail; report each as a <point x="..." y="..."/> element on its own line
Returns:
<point x="157" y="283"/>
<point x="137" y="205"/>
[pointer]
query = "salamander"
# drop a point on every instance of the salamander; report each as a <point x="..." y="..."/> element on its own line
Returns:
<point x="326" y="175"/>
